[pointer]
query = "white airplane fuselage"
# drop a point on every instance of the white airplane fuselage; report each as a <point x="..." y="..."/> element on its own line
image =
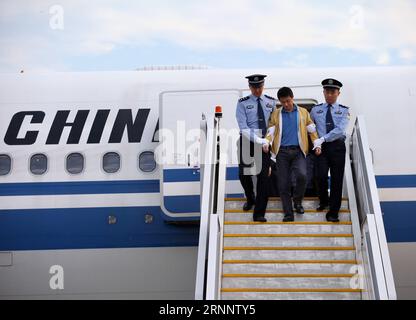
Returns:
<point x="80" y="190"/>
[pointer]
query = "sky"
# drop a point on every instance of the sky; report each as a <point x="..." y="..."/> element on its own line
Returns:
<point x="109" y="35"/>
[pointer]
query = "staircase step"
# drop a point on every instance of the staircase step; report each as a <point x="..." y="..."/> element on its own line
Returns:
<point x="340" y="282"/>
<point x="290" y="276"/>
<point x="287" y="241"/>
<point x="278" y="199"/>
<point x="284" y="295"/>
<point x="309" y="259"/>
<point x="295" y="223"/>
<point x="292" y="268"/>
<point x="275" y="203"/>
<point x="278" y="211"/>
<point x="278" y="217"/>
<point x="258" y="261"/>
<point x="288" y="255"/>
<point x="288" y="229"/>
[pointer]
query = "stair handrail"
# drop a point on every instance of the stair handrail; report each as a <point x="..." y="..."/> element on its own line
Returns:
<point x="215" y="247"/>
<point x="374" y="248"/>
<point x="207" y="147"/>
<point x="212" y="211"/>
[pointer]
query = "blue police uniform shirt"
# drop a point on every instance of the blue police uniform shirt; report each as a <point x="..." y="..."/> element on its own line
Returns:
<point x="248" y="118"/>
<point x="341" y="116"/>
<point x="290" y="126"/>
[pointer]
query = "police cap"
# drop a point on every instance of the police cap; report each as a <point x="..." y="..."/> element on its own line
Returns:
<point x="256" y="80"/>
<point x="331" y="84"/>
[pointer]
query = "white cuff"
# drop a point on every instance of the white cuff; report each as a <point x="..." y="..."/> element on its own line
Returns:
<point x="266" y="142"/>
<point x="318" y="143"/>
<point x="311" y="128"/>
<point x="261" y="141"/>
<point x="271" y="131"/>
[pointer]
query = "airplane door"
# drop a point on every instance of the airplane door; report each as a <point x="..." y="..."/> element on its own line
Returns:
<point x="180" y="155"/>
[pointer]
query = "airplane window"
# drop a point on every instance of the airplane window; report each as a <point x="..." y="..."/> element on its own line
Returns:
<point x="75" y="163"/>
<point x="5" y="164"/>
<point x="111" y="162"/>
<point x="38" y="164"/>
<point x="147" y="162"/>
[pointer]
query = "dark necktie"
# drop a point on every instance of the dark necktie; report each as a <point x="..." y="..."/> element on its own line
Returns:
<point x="262" y="120"/>
<point x="330" y="125"/>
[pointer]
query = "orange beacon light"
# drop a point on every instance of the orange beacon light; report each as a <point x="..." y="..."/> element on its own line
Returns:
<point x="218" y="112"/>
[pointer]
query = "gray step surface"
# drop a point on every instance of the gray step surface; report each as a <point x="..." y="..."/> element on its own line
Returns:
<point x="289" y="268"/>
<point x="289" y="283"/>
<point x="289" y="242"/>
<point x="291" y="296"/>
<point x="287" y="229"/>
<point x="287" y="255"/>
<point x="306" y="260"/>
<point x="278" y="217"/>
<point x="275" y="203"/>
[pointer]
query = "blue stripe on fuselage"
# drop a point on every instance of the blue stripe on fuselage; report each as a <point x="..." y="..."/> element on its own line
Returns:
<point x="183" y="204"/>
<point x="400" y="220"/>
<point x="181" y="175"/>
<point x="83" y="187"/>
<point x="80" y="228"/>
<point x="193" y="175"/>
<point x="396" y="181"/>
<point x="88" y="228"/>
<point x="150" y="186"/>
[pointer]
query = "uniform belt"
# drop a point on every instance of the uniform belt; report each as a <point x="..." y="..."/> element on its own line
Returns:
<point x="289" y="147"/>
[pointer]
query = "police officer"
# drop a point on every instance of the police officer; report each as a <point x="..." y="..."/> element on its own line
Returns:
<point x="253" y="113"/>
<point x="331" y="120"/>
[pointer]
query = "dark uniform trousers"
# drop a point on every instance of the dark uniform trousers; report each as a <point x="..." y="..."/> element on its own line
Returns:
<point x="332" y="159"/>
<point x="291" y="162"/>
<point x="262" y="190"/>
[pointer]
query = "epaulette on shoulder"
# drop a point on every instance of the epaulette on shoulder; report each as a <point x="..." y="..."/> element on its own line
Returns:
<point x="244" y="99"/>
<point x="318" y="105"/>
<point x="343" y="106"/>
<point x="271" y="98"/>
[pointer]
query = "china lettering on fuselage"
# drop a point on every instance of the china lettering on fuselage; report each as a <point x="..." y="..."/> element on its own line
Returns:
<point x="124" y="121"/>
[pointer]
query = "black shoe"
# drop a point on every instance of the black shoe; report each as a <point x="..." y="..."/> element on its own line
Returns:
<point x="299" y="209"/>
<point x="289" y="218"/>
<point x="248" y="205"/>
<point x="330" y="217"/>
<point x="260" y="219"/>
<point x="322" y="207"/>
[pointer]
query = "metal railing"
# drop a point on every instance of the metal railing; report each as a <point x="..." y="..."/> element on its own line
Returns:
<point x="367" y="218"/>
<point x="374" y="272"/>
<point x="213" y="173"/>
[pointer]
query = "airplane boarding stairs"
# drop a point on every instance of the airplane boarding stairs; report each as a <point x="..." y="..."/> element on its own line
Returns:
<point x="308" y="259"/>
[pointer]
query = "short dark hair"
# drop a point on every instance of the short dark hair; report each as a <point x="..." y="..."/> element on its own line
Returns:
<point x="285" y="92"/>
<point x="332" y="89"/>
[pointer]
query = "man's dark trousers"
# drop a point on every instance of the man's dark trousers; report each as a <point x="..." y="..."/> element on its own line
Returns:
<point x="262" y="194"/>
<point x="332" y="159"/>
<point x="262" y="190"/>
<point x="291" y="159"/>
<point x="246" y="180"/>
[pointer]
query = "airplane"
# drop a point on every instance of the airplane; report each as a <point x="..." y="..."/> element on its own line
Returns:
<point x="88" y="210"/>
